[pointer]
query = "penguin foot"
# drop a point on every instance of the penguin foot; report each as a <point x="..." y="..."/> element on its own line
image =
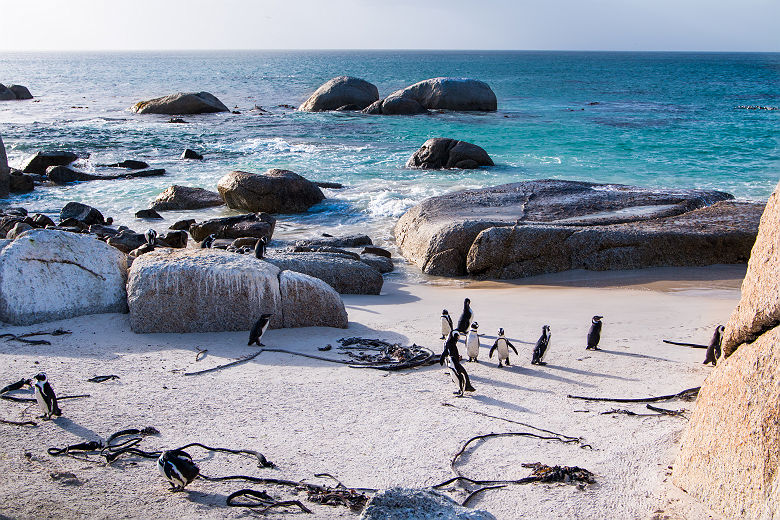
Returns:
<point x="542" y="363"/>
<point x="470" y="389"/>
<point x="507" y="362"/>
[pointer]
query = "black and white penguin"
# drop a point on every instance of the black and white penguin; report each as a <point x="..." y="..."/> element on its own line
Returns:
<point x="208" y="241"/>
<point x="177" y="467"/>
<point x="502" y="345"/>
<point x="594" y="334"/>
<point x="713" y="351"/>
<point x="458" y="373"/>
<point x="446" y="324"/>
<point x="542" y="344"/>
<point x="45" y="396"/>
<point x="259" y="329"/>
<point x="466" y="317"/>
<point x="472" y="342"/>
<point x="151" y="237"/>
<point x="260" y="247"/>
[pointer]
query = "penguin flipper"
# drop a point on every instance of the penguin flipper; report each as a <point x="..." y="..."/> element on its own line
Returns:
<point x="508" y="344"/>
<point x="493" y="349"/>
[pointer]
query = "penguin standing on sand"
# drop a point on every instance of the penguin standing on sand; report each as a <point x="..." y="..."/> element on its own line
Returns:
<point x="466" y="317"/>
<point x="260" y="247"/>
<point x="446" y="324"/>
<point x="472" y="342"/>
<point x="259" y="329"/>
<point x="502" y="345"/>
<point x="542" y="344"/>
<point x="713" y="351"/>
<point x="177" y="467"/>
<point x="208" y="241"/>
<point x="594" y="334"/>
<point x="458" y="373"/>
<point x="45" y="396"/>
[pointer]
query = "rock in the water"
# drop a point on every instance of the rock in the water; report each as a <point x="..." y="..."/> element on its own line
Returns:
<point x="6" y="94"/>
<point x="81" y="212"/>
<point x="5" y="171"/>
<point x="343" y="241"/>
<point x="182" y="224"/>
<point x="42" y="160"/>
<point x="148" y="213"/>
<point x="397" y="106"/>
<point x="129" y="164"/>
<point x="535" y="227"/>
<point x="461" y="94"/>
<point x="275" y="191"/>
<point x="418" y="504"/>
<point x="180" y="104"/>
<point x="380" y="263"/>
<point x="191" y="154"/>
<point x="49" y="275"/>
<point x="42" y="220"/>
<point x="440" y="153"/>
<point x="372" y="250"/>
<point x="340" y="92"/>
<point x="21" y="183"/>
<point x="20" y="91"/>
<point x="65" y="175"/>
<point x="310" y="302"/>
<point x="249" y="225"/>
<point x="183" y="197"/>
<point x="177" y="239"/>
<point x="344" y="274"/>
<point x="127" y="240"/>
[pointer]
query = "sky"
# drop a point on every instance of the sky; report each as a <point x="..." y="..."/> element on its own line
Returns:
<point x="634" y="25"/>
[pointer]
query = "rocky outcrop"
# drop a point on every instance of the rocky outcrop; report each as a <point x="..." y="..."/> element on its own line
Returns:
<point x="180" y="104"/>
<point x="249" y="225"/>
<point x="535" y="227"/>
<point x="5" y="172"/>
<point x="275" y="191"/>
<point x="418" y="504"/>
<point x="48" y="275"/>
<point x="346" y="275"/>
<point x="81" y="212"/>
<point x="130" y="164"/>
<point x="65" y="175"/>
<point x="6" y="94"/>
<point x="191" y="154"/>
<point x="438" y="153"/>
<point x="202" y="290"/>
<point x="39" y="162"/>
<point x="730" y="453"/>
<point x="184" y="197"/>
<point x="459" y="94"/>
<point x="340" y="92"/>
<point x="14" y="92"/>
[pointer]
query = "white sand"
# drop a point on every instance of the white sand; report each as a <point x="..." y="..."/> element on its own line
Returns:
<point x="370" y="428"/>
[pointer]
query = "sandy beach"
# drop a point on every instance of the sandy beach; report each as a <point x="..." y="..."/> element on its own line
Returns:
<point x="375" y="429"/>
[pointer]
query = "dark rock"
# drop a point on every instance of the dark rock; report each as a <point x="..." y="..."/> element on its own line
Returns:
<point x="81" y="212"/>
<point x="64" y="175"/>
<point x="21" y="183"/>
<point x="183" y="197"/>
<point x="326" y="249"/>
<point x="41" y="220"/>
<point x="396" y="106"/>
<point x="461" y="94"/>
<point x="177" y="239"/>
<point x="5" y="172"/>
<point x="345" y="241"/>
<point x="344" y="274"/>
<point x="374" y="108"/>
<point x="148" y="213"/>
<point x="276" y="191"/>
<point x="43" y="160"/>
<point x="183" y="224"/>
<point x="17" y="230"/>
<point x="244" y="242"/>
<point x="340" y="92"/>
<point x="372" y="250"/>
<point x="191" y="154"/>
<point x="21" y="92"/>
<point x="129" y="164"/>
<point x="8" y="222"/>
<point x="102" y="231"/>
<point x="73" y="224"/>
<point x="20" y="212"/>
<point x="329" y="185"/>
<point x="127" y="241"/>
<point x="141" y="250"/>
<point x="181" y="103"/>
<point x="349" y="108"/>
<point x="249" y="225"/>
<point x="177" y="120"/>
<point x="6" y="94"/>
<point x="440" y="153"/>
<point x="380" y="263"/>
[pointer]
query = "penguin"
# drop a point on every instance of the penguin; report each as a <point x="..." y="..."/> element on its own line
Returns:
<point x="594" y="334"/>
<point x="466" y="317"/>
<point x="542" y="344"/>
<point x="44" y="394"/>
<point x="151" y="237"/>
<point x="259" y="329"/>
<point x="446" y="324"/>
<point x="177" y="467"/>
<point x="458" y="373"/>
<point x="260" y="247"/>
<point x="206" y="244"/>
<point x="503" y="345"/>
<point x="472" y="343"/>
<point x="713" y="351"/>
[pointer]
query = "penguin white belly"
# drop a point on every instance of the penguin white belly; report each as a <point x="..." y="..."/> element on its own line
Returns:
<point x="445" y="328"/>
<point x="472" y="345"/>
<point x="546" y="349"/>
<point x="503" y="350"/>
<point x="453" y="372"/>
<point x="41" y="401"/>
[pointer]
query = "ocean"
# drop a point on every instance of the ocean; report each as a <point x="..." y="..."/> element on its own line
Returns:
<point x="650" y="119"/>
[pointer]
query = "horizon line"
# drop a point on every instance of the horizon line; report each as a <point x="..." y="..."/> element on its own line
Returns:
<point x="378" y="49"/>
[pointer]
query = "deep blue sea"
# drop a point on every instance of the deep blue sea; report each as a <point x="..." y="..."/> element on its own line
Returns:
<point x="649" y="119"/>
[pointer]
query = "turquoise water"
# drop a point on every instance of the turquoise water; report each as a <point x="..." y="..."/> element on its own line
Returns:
<point x="650" y="119"/>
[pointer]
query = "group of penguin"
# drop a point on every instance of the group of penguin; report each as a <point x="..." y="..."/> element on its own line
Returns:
<point x="468" y="326"/>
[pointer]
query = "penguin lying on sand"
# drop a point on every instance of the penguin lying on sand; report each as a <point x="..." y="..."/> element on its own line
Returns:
<point x="45" y="396"/>
<point x="713" y="351"/>
<point x="259" y="329"/>
<point x="502" y="345"/>
<point x="446" y="324"/>
<point x="594" y="334"/>
<point x="542" y="344"/>
<point x="472" y="342"/>
<point x="178" y="468"/>
<point x="466" y="317"/>
<point x="458" y="373"/>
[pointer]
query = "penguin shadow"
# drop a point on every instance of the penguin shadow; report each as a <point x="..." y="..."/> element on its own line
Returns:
<point x="521" y="371"/>
<point x="76" y="429"/>
<point x="203" y="498"/>
<point x="511" y="340"/>
<point x="503" y="384"/>
<point x="492" y="401"/>
<point x="587" y="372"/>
<point x="631" y="354"/>
<point x="398" y="295"/>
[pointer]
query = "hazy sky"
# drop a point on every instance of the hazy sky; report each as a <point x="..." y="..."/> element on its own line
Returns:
<point x="711" y="25"/>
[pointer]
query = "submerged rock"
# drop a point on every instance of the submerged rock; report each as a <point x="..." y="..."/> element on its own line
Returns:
<point x="340" y="92"/>
<point x="275" y="191"/>
<point x="418" y="504"/>
<point x="180" y="104"/>
<point x="249" y="225"/>
<point x="440" y="153"/>
<point x="129" y="164"/>
<point x="43" y="160"/>
<point x="191" y="154"/>
<point x="65" y="175"/>
<point x="179" y="197"/>
<point x="346" y="275"/>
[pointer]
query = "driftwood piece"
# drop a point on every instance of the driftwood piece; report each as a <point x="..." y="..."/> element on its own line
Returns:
<point x="694" y="345"/>
<point x="686" y="395"/>
<point x="226" y="365"/>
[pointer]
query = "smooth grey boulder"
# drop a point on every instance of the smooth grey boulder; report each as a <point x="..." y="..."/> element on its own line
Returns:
<point x="457" y="94"/>
<point x="6" y="94"/>
<point x="535" y="227"/>
<point x="356" y="240"/>
<point x="440" y="152"/>
<point x="180" y="104"/>
<point x="418" y="504"/>
<point x="5" y="171"/>
<point x="275" y="191"/>
<point x="39" y="162"/>
<point x="345" y="275"/>
<point x="380" y="263"/>
<point x="310" y="302"/>
<point x="340" y="92"/>
<point x="81" y="212"/>
<point x="255" y="225"/>
<point x="179" y="197"/>
<point x="20" y="91"/>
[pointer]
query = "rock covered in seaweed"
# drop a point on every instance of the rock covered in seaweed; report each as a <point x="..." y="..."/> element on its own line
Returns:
<point x="343" y="91"/>
<point x="180" y="104"/>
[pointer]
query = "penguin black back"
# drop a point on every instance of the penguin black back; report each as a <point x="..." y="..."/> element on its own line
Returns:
<point x="542" y="344"/>
<point x="45" y="396"/>
<point x="178" y="468"/>
<point x="594" y="334"/>
<point x="466" y="316"/>
<point x="259" y="329"/>
<point x="260" y="247"/>
<point x="713" y="350"/>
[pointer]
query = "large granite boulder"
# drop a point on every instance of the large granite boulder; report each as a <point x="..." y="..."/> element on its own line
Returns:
<point x="460" y="94"/>
<point x="730" y="453"/>
<point x="355" y="240"/>
<point x="418" y="504"/>
<point x="250" y="225"/>
<point x="20" y="91"/>
<point x="39" y="162"/>
<point x="439" y="152"/>
<point x="339" y="92"/>
<point x="310" y="302"/>
<point x="275" y="191"/>
<point x="48" y="275"/>
<point x="180" y="104"/>
<point x="184" y="197"/>
<point x="6" y="94"/>
<point x="5" y="172"/>
<point x="346" y="275"/>
<point x="535" y="227"/>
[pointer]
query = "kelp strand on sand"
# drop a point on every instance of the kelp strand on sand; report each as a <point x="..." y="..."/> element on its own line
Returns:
<point x="686" y="395"/>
